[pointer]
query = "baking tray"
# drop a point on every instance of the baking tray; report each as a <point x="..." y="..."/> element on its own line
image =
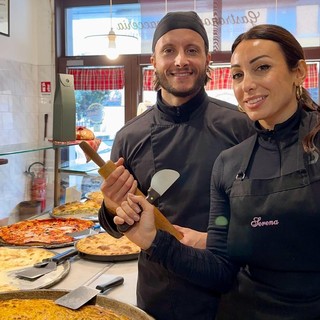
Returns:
<point x="45" y="281"/>
<point x="132" y="312"/>
<point x="111" y="258"/>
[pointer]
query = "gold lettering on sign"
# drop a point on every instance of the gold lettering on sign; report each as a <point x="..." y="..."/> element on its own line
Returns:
<point x="250" y="18"/>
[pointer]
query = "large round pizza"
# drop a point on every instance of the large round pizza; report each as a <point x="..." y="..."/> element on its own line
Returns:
<point x="43" y="232"/>
<point x="39" y="309"/>
<point x="103" y="247"/>
<point x="39" y="304"/>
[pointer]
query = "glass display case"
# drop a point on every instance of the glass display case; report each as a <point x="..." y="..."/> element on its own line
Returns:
<point x="31" y="172"/>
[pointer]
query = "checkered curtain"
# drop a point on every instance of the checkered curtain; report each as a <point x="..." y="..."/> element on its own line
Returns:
<point x="221" y="78"/>
<point x="97" y="78"/>
<point x="148" y="79"/>
<point x="312" y="79"/>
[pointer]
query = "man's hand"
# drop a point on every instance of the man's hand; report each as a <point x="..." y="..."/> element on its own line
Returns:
<point x="193" y="238"/>
<point x="118" y="184"/>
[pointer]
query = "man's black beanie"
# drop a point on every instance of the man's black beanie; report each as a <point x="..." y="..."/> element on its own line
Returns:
<point x="180" y="20"/>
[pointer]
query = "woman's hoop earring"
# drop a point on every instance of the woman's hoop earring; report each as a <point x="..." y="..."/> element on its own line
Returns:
<point x="299" y="92"/>
<point x="240" y="108"/>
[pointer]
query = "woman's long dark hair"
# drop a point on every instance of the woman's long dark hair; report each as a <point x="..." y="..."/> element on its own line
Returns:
<point x="293" y="52"/>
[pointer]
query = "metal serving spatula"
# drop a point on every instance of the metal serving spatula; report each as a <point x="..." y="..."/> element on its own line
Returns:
<point x="46" y="265"/>
<point x="160" y="183"/>
<point x="105" y="170"/>
<point x="81" y="295"/>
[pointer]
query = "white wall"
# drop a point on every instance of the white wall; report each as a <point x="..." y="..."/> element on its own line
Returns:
<point x="31" y="37"/>
<point x="26" y="59"/>
<point x="22" y="43"/>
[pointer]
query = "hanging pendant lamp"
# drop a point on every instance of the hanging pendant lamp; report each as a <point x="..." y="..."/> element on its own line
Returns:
<point x="112" y="52"/>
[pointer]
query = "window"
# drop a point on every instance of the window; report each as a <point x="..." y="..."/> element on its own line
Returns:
<point x="87" y="29"/>
<point x="134" y="23"/>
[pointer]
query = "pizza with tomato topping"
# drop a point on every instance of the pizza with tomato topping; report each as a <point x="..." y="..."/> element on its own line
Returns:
<point x="42" y="231"/>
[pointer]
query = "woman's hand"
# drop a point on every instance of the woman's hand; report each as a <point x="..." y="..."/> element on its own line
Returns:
<point x="193" y="238"/>
<point x="137" y="209"/>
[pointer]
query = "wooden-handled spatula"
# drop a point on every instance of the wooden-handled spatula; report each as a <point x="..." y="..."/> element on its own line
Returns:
<point x="106" y="168"/>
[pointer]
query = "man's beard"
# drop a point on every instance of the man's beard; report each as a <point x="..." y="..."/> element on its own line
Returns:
<point x="164" y="83"/>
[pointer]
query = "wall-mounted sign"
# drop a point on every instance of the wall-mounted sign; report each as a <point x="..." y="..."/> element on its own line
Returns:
<point x="45" y="87"/>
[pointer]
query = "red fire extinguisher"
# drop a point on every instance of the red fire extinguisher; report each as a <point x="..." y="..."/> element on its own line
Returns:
<point x="38" y="183"/>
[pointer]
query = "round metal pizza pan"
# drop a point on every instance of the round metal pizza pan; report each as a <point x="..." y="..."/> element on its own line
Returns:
<point x="132" y="312"/>
<point x="109" y="258"/>
<point x="45" y="281"/>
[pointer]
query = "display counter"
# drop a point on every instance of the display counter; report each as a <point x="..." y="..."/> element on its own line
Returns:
<point x="86" y="272"/>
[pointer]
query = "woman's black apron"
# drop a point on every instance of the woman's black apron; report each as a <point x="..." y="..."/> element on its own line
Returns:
<point x="275" y="232"/>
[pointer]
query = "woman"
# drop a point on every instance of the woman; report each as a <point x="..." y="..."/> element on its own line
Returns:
<point x="265" y="204"/>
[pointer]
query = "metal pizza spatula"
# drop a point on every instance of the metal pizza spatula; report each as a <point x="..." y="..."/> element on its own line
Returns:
<point x="45" y="266"/>
<point x="81" y="295"/>
<point x="161" y="181"/>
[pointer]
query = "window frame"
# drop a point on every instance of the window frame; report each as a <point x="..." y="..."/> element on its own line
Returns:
<point x="133" y="64"/>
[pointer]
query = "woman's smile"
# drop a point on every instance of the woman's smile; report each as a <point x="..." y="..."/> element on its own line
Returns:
<point x="254" y="102"/>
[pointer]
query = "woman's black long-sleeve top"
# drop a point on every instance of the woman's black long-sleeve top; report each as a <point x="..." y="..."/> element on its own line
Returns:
<point x="288" y="278"/>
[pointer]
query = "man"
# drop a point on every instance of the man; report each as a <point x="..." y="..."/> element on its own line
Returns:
<point x="185" y="131"/>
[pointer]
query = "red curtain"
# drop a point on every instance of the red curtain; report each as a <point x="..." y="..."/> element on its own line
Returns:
<point x="148" y="79"/>
<point x="221" y="78"/>
<point x="312" y="79"/>
<point x="97" y="78"/>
